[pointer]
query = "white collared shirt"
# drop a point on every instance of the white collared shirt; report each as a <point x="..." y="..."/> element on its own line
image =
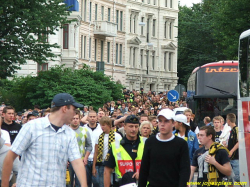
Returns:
<point x="45" y="153"/>
<point x="94" y="134"/>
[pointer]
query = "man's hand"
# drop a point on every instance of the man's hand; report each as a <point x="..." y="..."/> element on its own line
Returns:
<point x="136" y="176"/>
<point x="210" y="159"/>
<point x="85" y="161"/>
<point x="224" y="143"/>
<point x="94" y="172"/>
<point x="230" y="153"/>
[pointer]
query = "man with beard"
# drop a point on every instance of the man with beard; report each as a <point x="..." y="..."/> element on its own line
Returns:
<point x="84" y="142"/>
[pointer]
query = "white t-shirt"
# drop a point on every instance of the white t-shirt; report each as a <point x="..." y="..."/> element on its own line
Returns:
<point x="5" y="136"/>
<point x="167" y="140"/>
<point x="94" y="134"/>
<point x="183" y="137"/>
<point x="106" y="143"/>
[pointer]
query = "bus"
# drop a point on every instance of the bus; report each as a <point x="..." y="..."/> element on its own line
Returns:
<point x="244" y="106"/>
<point x="212" y="90"/>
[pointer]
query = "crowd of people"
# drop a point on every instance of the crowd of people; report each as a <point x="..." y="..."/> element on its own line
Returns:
<point x="138" y="139"/>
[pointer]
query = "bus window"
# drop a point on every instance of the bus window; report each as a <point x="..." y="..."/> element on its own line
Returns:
<point x="244" y="67"/>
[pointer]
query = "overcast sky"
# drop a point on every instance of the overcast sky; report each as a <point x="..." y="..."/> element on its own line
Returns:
<point x="189" y="3"/>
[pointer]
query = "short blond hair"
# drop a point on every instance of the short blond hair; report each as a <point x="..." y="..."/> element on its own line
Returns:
<point x="146" y="123"/>
<point x="188" y="110"/>
<point x="218" y="118"/>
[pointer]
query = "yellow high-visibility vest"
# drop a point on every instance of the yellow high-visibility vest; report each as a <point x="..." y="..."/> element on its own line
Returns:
<point x="123" y="161"/>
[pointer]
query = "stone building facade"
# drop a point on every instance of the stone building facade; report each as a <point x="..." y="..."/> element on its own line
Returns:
<point x="132" y="41"/>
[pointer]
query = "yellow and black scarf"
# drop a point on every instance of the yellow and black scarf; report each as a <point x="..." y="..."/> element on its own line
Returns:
<point x="213" y="174"/>
<point x="101" y="144"/>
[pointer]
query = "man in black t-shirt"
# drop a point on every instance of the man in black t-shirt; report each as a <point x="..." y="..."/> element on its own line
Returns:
<point x="9" y="124"/>
<point x="233" y="146"/>
<point x="206" y="160"/>
<point x="217" y="128"/>
<point x="165" y="160"/>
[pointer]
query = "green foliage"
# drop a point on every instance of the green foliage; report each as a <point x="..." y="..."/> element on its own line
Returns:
<point x="88" y="88"/>
<point x="24" y="27"/>
<point x="209" y="32"/>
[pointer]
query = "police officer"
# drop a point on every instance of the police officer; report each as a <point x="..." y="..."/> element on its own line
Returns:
<point x="125" y="156"/>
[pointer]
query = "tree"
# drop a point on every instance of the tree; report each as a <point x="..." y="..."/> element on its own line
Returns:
<point x="195" y="40"/>
<point x="209" y="32"/>
<point x="229" y="20"/>
<point x="24" y="27"/>
<point x="88" y="88"/>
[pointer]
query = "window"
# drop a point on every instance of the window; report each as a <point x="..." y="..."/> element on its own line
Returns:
<point x="148" y="1"/>
<point x="170" y="62"/>
<point x="121" y="20"/>
<point x="141" y="54"/>
<point x="90" y="10"/>
<point x="95" y="48"/>
<point x="171" y="3"/>
<point x="108" y="52"/>
<point x="90" y="48"/>
<point x="42" y="67"/>
<point x="153" y="31"/>
<point x="134" y="57"/>
<point x="120" y="53"/>
<point x="116" y="54"/>
<point x="66" y="36"/>
<point x="117" y="19"/>
<point x="85" y="39"/>
<point x="101" y="50"/>
<point x="154" y="2"/>
<point x="109" y="14"/>
<point x="142" y="20"/>
<point x="165" y="61"/>
<point x="102" y="13"/>
<point x="82" y="47"/>
<point x="148" y="30"/>
<point x="166" y="3"/>
<point x="85" y="10"/>
<point x="147" y="60"/>
<point x="96" y="8"/>
<point x="153" y="60"/>
<point x="170" y="30"/>
<point x="130" y="23"/>
<point x="43" y="37"/>
<point x="134" y="24"/>
<point x="165" y="29"/>
<point x="130" y="56"/>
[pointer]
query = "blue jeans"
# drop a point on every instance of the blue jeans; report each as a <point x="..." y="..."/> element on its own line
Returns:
<point x="235" y="167"/>
<point x="100" y="170"/>
<point x="72" y="176"/>
<point x="90" y="178"/>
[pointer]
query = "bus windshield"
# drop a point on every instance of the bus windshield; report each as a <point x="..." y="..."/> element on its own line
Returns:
<point x="212" y="90"/>
<point x="216" y="81"/>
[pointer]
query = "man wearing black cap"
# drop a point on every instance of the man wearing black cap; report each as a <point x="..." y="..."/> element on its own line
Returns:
<point x="141" y="92"/>
<point x="19" y="117"/>
<point x="32" y="115"/>
<point x="46" y="145"/>
<point x="125" y="156"/>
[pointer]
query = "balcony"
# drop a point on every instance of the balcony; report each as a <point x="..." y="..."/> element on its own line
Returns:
<point x="105" y="28"/>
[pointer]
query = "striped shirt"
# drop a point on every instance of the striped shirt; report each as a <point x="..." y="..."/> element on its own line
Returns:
<point x="45" y="153"/>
